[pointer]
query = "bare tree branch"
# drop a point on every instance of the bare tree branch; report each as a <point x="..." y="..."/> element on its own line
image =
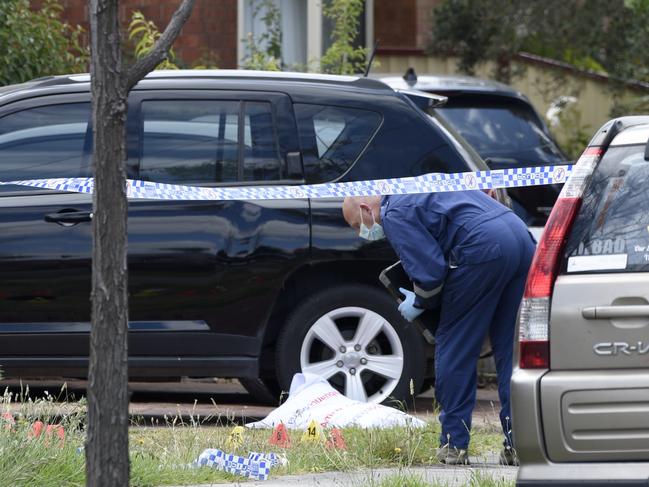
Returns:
<point x="159" y="52"/>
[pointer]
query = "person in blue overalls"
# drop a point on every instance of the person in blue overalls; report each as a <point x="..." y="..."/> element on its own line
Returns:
<point x="469" y="254"/>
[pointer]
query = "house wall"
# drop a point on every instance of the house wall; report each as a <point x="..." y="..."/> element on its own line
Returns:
<point x="209" y="34"/>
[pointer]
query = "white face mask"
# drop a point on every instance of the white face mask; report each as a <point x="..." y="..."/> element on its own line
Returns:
<point x="375" y="232"/>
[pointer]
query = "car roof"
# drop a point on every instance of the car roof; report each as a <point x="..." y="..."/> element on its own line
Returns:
<point x="615" y="127"/>
<point x="635" y="134"/>
<point x="176" y="78"/>
<point x="452" y="83"/>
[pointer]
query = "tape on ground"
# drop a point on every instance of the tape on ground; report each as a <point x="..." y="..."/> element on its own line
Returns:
<point x="428" y="183"/>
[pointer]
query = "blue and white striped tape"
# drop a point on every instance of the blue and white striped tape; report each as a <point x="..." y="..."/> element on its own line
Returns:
<point x="256" y="466"/>
<point x="428" y="183"/>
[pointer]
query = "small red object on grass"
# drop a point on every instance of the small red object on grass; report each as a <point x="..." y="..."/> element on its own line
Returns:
<point x="9" y="420"/>
<point x="279" y="437"/>
<point x="336" y="440"/>
<point x="50" y="430"/>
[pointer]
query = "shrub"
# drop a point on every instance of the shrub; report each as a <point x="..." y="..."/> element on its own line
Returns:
<point x="38" y="43"/>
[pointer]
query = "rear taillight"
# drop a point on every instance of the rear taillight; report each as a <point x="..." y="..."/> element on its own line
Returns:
<point x="534" y="317"/>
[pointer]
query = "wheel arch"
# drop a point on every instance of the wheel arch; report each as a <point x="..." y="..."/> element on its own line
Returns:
<point x="304" y="282"/>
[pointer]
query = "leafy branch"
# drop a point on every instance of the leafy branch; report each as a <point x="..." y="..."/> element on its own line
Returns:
<point x="343" y="57"/>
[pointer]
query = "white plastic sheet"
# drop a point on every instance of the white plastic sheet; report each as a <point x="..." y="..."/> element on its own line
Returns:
<point x="312" y="398"/>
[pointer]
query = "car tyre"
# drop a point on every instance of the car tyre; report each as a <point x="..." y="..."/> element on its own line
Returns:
<point x="354" y="336"/>
<point x="262" y="391"/>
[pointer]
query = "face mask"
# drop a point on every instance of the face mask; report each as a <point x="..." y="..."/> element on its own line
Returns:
<point x="375" y="232"/>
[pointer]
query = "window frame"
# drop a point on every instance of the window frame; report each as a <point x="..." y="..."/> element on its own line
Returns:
<point x="369" y="142"/>
<point x="47" y="101"/>
<point x="284" y="126"/>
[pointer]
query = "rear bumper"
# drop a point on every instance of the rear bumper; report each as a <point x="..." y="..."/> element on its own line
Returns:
<point x="584" y="474"/>
<point x="536" y="468"/>
<point x="589" y="483"/>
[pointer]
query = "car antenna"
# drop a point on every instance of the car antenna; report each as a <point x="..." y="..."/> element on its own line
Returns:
<point x="369" y="63"/>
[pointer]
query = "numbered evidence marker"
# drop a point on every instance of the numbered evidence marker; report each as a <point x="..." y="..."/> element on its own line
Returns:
<point x="279" y="437"/>
<point x="236" y="437"/>
<point x="336" y="440"/>
<point x="313" y="432"/>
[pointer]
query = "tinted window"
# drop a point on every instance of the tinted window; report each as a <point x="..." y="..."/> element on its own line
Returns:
<point x="199" y="141"/>
<point x="44" y="142"/>
<point x="332" y="138"/>
<point x="261" y="156"/>
<point x="190" y="141"/>
<point x="613" y="221"/>
<point x="501" y="130"/>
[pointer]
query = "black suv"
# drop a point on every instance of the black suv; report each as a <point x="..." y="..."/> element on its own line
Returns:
<point x="250" y="289"/>
<point x="502" y="125"/>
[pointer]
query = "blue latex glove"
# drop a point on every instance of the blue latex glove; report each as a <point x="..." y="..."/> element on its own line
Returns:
<point x="407" y="307"/>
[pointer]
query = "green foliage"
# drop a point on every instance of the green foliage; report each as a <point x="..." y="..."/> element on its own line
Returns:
<point x="565" y="122"/>
<point x="37" y="43"/>
<point x="265" y="51"/>
<point x="343" y="57"/>
<point x="598" y="35"/>
<point x="636" y="106"/>
<point x="208" y="60"/>
<point x="144" y="33"/>
<point x="475" y="31"/>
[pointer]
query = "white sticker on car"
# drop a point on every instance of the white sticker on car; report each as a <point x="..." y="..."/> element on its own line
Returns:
<point x="583" y="263"/>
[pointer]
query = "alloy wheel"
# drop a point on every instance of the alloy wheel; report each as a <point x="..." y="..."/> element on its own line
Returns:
<point x="357" y="350"/>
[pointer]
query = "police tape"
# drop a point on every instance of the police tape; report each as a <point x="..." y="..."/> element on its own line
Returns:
<point x="255" y="466"/>
<point x="427" y="183"/>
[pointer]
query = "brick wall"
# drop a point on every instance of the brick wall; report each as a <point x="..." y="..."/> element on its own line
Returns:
<point x="210" y="31"/>
<point x="404" y="25"/>
<point x="425" y="21"/>
<point x="395" y="24"/>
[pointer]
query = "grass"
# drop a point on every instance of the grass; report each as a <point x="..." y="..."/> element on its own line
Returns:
<point x="414" y="480"/>
<point x="160" y="453"/>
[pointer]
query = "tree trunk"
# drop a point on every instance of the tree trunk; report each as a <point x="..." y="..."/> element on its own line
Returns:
<point x="107" y="461"/>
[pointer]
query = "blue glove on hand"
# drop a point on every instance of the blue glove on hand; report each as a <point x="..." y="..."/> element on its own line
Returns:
<point x="407" y="307"/>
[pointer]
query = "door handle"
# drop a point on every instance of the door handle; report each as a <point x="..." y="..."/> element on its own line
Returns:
<point x="622" y="311"/>
<point x="69" y="218"/>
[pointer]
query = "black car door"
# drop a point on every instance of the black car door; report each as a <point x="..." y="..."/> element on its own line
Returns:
<point x="203" y="275"/>
<point x="45" y="235"/>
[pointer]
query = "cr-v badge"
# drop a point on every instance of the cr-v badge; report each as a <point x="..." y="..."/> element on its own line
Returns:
<point x="624" y="348"/>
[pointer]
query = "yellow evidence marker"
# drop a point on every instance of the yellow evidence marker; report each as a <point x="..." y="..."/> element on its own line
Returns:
<point x="313" y="432"/>
<point x="235" y="439"/>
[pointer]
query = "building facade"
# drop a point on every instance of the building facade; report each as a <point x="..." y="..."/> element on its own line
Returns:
<point x="217" y="30"/>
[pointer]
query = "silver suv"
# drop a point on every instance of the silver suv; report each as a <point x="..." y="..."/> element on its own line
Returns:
<point x="580" y="393"/>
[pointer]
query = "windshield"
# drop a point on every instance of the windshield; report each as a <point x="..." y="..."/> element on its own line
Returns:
<point x="503" y="131"/>
<point x="461" y="145"/>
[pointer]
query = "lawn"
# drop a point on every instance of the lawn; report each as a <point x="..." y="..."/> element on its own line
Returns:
<point x="160" y="454"/>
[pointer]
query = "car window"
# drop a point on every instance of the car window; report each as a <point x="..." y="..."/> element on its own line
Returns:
<point x="332" y="138"/>
<point x="261" y="158"/>
<point x="613" y="221"/>
<point x="198" y="142"/>
<point x="44" y="142"/>
<point x="496" y="130"/>
<point x="189" y="141"/>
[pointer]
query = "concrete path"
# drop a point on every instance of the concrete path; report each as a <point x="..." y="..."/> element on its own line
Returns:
<point x="434" y="475"/>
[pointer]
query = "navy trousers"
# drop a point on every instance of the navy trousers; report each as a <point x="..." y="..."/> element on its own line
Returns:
<point x="480" y="297"/>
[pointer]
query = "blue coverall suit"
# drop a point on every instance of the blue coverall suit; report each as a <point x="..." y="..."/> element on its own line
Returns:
<point x="470" y="254"/>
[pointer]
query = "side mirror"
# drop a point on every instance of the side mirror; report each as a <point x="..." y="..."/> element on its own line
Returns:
<point x="646" y="151"/>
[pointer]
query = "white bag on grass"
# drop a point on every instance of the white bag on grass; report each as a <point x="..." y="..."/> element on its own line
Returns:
<point x="311" y="397"/>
